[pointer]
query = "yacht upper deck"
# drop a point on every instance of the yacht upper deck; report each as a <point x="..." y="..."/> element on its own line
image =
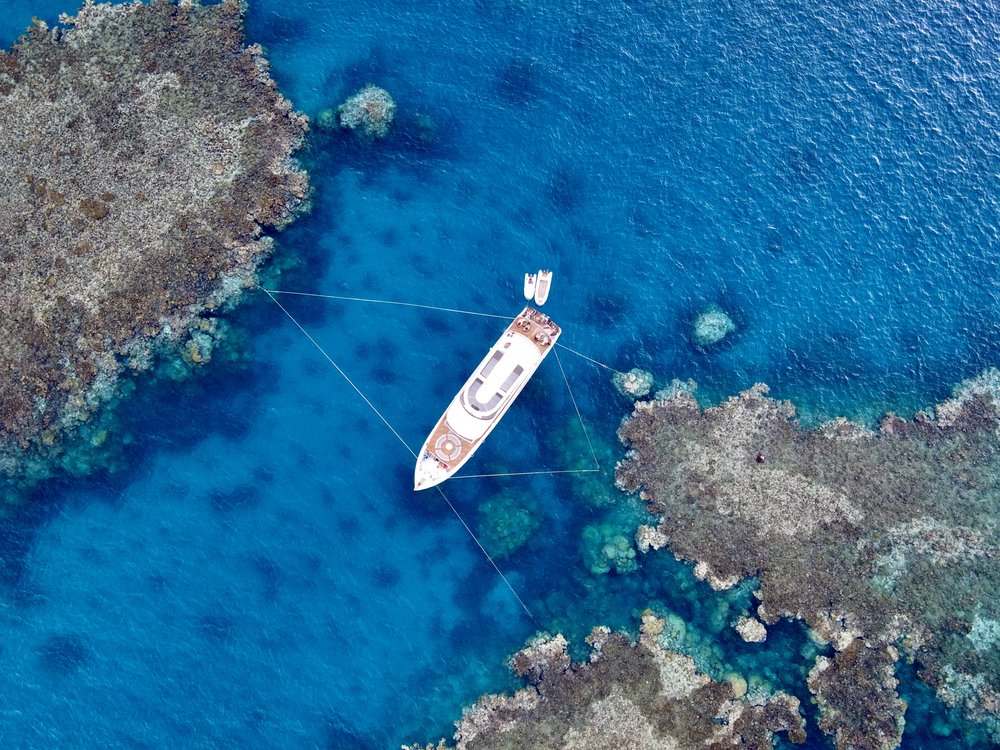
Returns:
<point x="486" y="395"/>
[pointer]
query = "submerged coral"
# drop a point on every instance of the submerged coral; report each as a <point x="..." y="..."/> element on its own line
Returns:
<point x="711" y="326"/>
<point x="588" y="453"/>
<point x="370" y="112"/>
<point x="507" y="522"/>
<point x="879" y="541"/>
<point x="628" y="696"/>
<point x="635" y="383"/>
<point x="675" y="387"/>
<point x="605" y="547"/>
<point x="326" y="119"/>
<point x="144" y="148"/>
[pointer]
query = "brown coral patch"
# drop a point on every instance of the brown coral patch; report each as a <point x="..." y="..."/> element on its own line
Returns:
<point x="94" y="210"/>
<point x="628" y="696"/>
<point x="128" y="100"/>
<point x="871" y="538"/>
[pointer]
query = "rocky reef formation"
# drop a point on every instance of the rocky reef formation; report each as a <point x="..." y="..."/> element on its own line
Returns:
<point x="144" y="150"/>
<point x="629" y="696"/>
<point x="885" y="543"/>
<point x="369" y="113"/>
<point x="750" y="629"/>
<point x="605" y="547"/>
<point x="711" y="326"/>
<point x="635" y="383"/>
<point x="576" y="449"/>
<point x="507" y="522"/>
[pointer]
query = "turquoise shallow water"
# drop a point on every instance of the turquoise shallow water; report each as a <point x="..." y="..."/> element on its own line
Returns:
<point x="261" y="575"/>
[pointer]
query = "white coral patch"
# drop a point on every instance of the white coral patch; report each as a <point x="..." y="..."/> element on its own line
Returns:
<point x="679" y="677"/>
<point x="985" y="633"/>
<point x="615" y="722"/>
<point x="649" y="537"/>
<point x="703" y="572"/>
<point x="751" y="629"/>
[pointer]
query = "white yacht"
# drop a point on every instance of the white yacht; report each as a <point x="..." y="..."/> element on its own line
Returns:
<point x="485" y="397"/>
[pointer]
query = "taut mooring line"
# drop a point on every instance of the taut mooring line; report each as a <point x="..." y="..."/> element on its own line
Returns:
<point x="487" y="554"/>
<point x="386" y="302"/>
<point x="589" y="359"/>
<point x="342" y="373"/>
<point x="425" y="307"/>
<point x="404" y="444"/>
<point x="579" y="416"/>
<point x="523" y="473"/>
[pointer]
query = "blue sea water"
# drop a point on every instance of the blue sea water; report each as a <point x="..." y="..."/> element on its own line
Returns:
<point x="261" y="575"/>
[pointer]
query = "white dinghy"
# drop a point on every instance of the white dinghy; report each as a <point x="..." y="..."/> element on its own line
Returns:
<point x="543" y="287"/>
<point x="529" y="285"/>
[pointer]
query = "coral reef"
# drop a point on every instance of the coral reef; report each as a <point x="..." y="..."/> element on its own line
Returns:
<point x="856" y="692"/>
<point x="629" y="696"/>
<point x="144" y="149"/>
<point x="576" y="449"/>
<point x="369" y="112"/>
<point x="209" y="339"/>
<point x="507" y="522"/>
<point x="675" y="387"/>
<point x="711" y="326"/>
<point x="635" y="383"/>
<point x="605" y="547"/>
<point x="883" y="542"/>
<point x="750" y="629"/>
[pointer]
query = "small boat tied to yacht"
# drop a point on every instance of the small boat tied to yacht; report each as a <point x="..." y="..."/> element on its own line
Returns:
<point x="485" y="397"/>
<point x="543" y="287"/>
<point x="537" y="286"/>
<point x="529" y="285"/>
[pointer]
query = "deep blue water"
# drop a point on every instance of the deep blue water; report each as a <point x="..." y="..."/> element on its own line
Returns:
<point x="261" y="575"/>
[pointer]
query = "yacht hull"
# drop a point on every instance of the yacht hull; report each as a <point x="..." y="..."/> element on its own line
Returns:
<point x="486" y="396"/>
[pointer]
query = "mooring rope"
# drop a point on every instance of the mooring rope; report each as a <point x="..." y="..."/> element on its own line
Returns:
<point x="589" y="359"/>
<point x="386" y="302"/>
<point x="524" y="473"/>
<point x="487" y="554"/>
<point x="593" y="453"/>
<point x="404" y="444"/>
<point x="428" y="307"/>
<point x="342" y="373"/>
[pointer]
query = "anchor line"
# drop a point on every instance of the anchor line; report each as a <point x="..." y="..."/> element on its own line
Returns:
<point x="374" y="301"/>
<point x="386" y="302"/>
<point x="342" y="373"/>
<point x="487" y="554"/>
<point x="524" y="473"/>
<point x="589" y="359"/>
<point x="579" y="416"/>
<point x="404" y="444"/>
